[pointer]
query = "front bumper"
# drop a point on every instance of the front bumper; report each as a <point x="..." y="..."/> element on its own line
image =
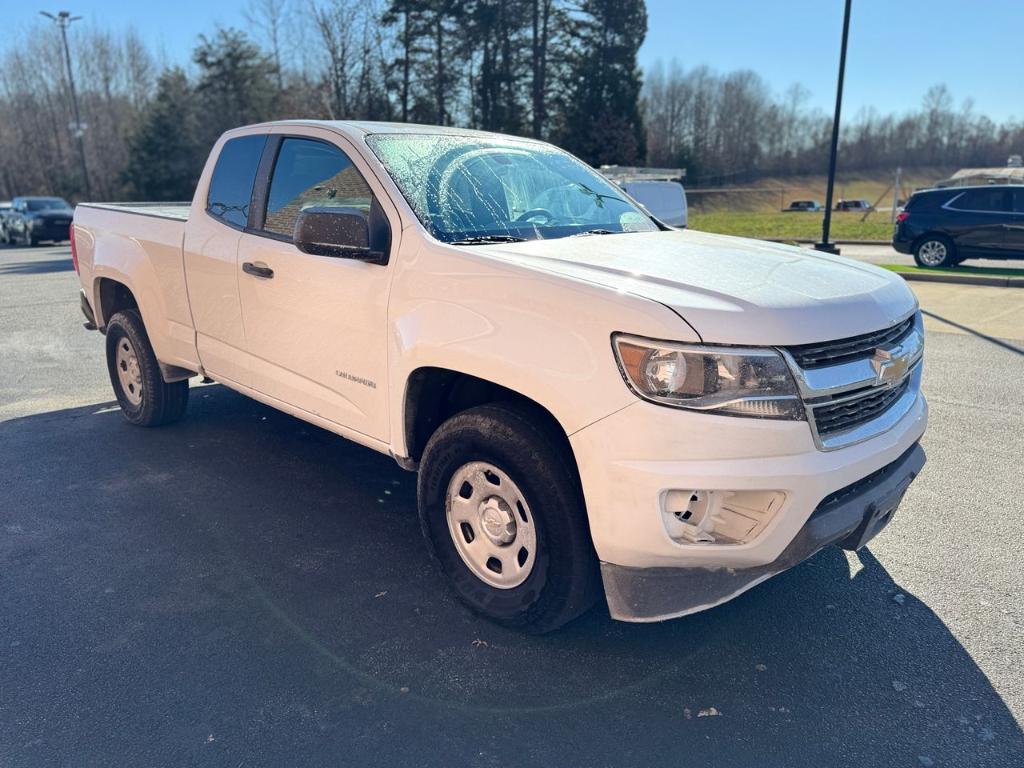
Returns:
<point x="55" y="231"/>
<point x="850" y="518"/>
<point x="631" y="459"/>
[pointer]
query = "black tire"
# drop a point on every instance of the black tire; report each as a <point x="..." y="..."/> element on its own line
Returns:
<point x="929" y="245"/>
<point x="159" y="402"/>
<point x="31" y="242"/>
<point x="564" y="580"/>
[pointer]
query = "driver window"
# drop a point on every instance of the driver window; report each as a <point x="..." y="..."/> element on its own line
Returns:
<point x="310" y="173"/>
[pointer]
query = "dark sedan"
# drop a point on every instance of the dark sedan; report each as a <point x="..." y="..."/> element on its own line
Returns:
<point x="943" y="227"/>
<point x="35" y="219"/>
<point x="5" y="210"/>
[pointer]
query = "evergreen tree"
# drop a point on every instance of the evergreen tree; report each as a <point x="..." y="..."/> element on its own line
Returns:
<point x="542" y="15"/>
<point x="237" y="84"/>
<point x="496" y="44"/>
<point x="431" y="46"/>
<point x="407" y="16"/>
<point x="602" y="121"/>
<point x="165" y="158"/>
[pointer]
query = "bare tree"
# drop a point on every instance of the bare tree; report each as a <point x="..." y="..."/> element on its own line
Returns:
<point x="268" y="16"/>
<point x="511" y="65"/>
<point x="730" y="127"/>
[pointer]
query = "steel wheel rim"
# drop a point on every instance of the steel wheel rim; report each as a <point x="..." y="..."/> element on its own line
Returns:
<point x="129" y="374"/>
<point x="491" y="525"/>
<point x="932" y="253"/>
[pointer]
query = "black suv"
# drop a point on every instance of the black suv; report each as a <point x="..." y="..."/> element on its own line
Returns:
<point x="942" y="227"/>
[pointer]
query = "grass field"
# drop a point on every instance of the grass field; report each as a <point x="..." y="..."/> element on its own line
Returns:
<point x="792" y="226"/>
<point x="961" y="270"/>
<point x="754" y="210"/>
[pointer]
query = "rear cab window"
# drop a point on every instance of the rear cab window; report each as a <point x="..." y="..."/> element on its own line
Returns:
<point x="231" y="185"/>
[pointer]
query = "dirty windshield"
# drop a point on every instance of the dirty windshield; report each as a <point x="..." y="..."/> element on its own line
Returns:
<point x="468" y="189"/>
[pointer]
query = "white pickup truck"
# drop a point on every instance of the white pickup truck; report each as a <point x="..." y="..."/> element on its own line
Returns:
<point x="591" y="398"/>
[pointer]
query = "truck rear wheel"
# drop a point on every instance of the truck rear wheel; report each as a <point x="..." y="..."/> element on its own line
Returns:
<point x="146" y="400"/>
<point x="503" y="516"/>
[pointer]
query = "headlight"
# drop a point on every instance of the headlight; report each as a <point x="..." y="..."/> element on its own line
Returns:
<point x="728" y="381"/>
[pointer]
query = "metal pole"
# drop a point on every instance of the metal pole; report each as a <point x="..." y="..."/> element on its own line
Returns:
<point x="63" y="20"/>
<point x="825" y="245"/>
<point x="895" y="194"/>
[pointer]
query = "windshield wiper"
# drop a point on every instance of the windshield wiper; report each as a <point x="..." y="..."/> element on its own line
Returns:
<point x="598" y="197"/>
<point x="484" y="239"/>
<point x="595" y="232"/>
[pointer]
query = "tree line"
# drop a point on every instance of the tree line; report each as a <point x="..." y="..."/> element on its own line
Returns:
<point x="555" y="69"/>
<point x="560" y="70"/>
<point x="732" y="127"/>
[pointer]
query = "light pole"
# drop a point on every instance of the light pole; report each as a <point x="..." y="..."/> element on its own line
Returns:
<point x="63" y="20"/>
<point x="825" y="245"/>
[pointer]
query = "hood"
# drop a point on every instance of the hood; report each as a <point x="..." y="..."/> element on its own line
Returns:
<point x="730" y="290"/>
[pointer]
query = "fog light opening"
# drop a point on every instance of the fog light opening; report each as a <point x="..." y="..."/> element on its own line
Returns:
<point x="706" y="517"/>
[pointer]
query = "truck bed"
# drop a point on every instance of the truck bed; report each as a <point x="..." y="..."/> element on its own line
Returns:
<point x="139" y="245"/>
<point x="177" y="211"/>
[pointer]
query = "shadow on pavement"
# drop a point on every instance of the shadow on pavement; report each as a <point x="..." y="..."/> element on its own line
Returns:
<point x="37" y="267"/>
<point x="242" y="588"/>
<point x="973" y="332"/>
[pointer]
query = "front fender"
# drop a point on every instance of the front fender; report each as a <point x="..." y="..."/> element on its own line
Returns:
<point x="544" y="336"/>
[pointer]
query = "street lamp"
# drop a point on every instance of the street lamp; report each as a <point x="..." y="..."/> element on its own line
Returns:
<point x="63" y="20"/>
<point x="825" y="245"/>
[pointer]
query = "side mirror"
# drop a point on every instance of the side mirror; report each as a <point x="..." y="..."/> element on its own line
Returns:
<point x="340" y="232"/>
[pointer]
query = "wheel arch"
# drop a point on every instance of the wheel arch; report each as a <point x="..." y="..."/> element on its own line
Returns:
<point x="434" y="394"/>
<point x="111" y="296"/>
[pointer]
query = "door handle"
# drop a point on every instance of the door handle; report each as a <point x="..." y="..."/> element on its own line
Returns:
<point x="258" y="269"/>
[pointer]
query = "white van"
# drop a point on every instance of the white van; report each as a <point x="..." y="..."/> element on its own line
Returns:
<point x="665" y="199"/>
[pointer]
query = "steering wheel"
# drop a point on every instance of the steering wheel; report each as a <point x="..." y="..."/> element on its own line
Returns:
<point x="532" y="214"/>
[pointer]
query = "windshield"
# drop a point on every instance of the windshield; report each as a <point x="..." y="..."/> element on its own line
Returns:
<point x="473" y="189"/>
<point x="45" y="204"/>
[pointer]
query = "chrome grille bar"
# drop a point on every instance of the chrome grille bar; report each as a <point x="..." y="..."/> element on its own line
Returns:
<point x="853" y="412"/>
<point x="811" y="356"/>
<point x="856" y="388"/>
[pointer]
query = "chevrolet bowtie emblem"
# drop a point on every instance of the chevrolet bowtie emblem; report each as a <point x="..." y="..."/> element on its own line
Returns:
<point x="890" y="363"/>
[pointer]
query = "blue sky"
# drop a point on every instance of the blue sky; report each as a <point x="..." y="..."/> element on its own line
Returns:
<point x="898" y="48"/>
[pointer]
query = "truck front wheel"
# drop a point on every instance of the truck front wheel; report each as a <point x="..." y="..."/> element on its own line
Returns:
<point x="503" y="516"/>
<point x="146" y="400"/>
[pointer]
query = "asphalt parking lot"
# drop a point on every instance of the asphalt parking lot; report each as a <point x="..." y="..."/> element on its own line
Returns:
<point x="243" y="589"/>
